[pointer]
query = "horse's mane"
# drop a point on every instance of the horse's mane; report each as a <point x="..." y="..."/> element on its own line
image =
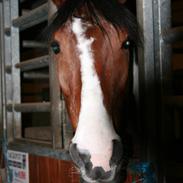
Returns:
<point x="111" y="10"/>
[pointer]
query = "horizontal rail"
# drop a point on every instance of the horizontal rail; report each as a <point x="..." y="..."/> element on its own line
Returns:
<point x="40" y="149"/>
<point x="35" y="17"/>
<point x="29" y="107"/>
<point x="35" y="75"/>
<point x="174" y="101"/>
<point x="173" y="35"/>
<point x="34" y="44"/>
<point x="35" y="63"/>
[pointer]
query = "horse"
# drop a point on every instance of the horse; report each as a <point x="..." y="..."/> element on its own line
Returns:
<point x="90" y="40"/>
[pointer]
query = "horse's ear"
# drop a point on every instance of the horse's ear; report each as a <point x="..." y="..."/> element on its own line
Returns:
<point x="58" y="3"/>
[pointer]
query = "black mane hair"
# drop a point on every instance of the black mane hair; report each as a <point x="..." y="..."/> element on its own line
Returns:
<point x="111" y="10"/>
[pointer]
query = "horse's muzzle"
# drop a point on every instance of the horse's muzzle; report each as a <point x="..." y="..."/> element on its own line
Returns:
<point x="92" y="174"/>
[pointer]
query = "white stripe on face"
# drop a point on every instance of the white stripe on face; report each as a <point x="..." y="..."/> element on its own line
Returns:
<point x="95" y="131"/>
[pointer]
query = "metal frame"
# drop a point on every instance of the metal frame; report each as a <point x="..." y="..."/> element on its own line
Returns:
<point x="155" y="72"/>
<point x="155" y="79"/>
<point x="1" y="60"/>
<point x="163" y="56"/>
<point x="3" y="115"/>
<point x="147" y="78"/>
<point x="11" y="67"/>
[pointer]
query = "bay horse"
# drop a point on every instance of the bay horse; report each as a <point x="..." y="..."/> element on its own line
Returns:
<point x="90" y="40"/>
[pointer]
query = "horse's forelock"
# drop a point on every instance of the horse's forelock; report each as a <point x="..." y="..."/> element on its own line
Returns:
<point x="111" y="10"/>
<point x="58" y="3"/>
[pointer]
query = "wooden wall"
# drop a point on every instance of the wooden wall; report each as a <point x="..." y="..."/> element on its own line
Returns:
<point x="49" y="170"/>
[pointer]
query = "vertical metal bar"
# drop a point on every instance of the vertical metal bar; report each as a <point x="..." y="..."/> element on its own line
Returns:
<point x="162" y="22"/>
<point x="5" y="57"/>
<point x="56" y="120"/>
<point x="147" y="80"/>
<point x="155" y="71"/>
<point x="162" y="9"/>
<point x="15" y="57"/>
<point x="1" y="59"/>
<point x="163" y="56"/>
<point x="7" y="77"/>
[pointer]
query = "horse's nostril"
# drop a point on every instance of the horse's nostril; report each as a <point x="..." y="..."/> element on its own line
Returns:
<point x="97" y="173"/>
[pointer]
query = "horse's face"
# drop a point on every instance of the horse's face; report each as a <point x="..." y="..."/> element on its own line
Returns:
<point x="87" y="57"/>
<point x="93" y="71"/>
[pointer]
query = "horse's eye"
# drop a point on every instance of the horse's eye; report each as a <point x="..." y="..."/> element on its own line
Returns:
<point x="55" y="47"/>
<point x="126" y="44"/>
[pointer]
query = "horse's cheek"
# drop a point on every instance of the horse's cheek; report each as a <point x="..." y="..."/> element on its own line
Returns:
<point x="62" y="75"/>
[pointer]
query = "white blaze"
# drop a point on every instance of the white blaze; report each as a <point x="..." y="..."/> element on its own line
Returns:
<point x="95" y="131"/>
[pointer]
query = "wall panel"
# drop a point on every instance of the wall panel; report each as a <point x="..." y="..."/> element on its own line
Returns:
<point x="49" y="170"/>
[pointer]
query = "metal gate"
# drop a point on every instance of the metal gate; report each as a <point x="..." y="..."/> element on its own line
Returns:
<point x="11" y="72"/>
<point x="155" y="79"/>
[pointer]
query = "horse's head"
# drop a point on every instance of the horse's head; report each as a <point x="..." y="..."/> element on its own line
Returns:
<point x="90" y="40"/>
